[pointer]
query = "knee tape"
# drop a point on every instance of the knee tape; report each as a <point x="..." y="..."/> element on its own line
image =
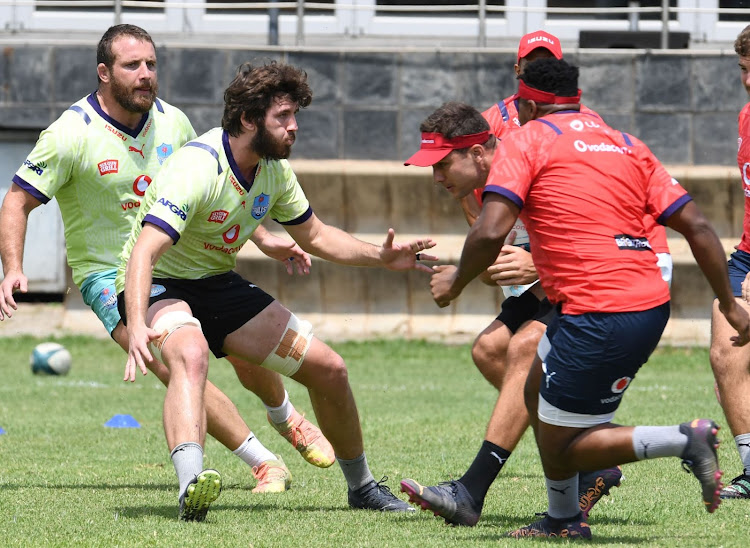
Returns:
<point x="168" y="324"/>
<point x="287" y="357"/>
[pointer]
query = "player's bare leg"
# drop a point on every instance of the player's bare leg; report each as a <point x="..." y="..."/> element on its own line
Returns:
<point x="505" y="362"/>
<point x="324" y="374"/>
<point x="304" y="436"/>
<point x="509" y="418"/>
<point x="565" y="451"/>
<point x="224" y="423"/>
<point x="185" y="353"/>
<point x="731" y="367"/>
<point x="264" y="383"/>
<point x="489" y="352"/>
<point x="224" y="420"/>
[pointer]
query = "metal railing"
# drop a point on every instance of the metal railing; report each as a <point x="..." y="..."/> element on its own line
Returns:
<point x="482" y="10"/>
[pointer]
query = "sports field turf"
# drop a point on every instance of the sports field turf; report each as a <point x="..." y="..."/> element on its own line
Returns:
<point x="66" y="480"/>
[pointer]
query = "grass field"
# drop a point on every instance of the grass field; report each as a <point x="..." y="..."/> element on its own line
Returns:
<point x="66" y="480"/>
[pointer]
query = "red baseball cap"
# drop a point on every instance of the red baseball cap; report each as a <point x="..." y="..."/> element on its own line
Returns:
<point x="539" y="39"/>
<point x="436" y="146"/>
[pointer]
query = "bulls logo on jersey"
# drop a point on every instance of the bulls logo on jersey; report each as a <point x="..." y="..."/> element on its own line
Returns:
<point x="231" y="235"/>
<point x="260" y="206"/>
<point x="141" y="184"/>
<point x="163" y="151"/>
<point x="108" y="298"/>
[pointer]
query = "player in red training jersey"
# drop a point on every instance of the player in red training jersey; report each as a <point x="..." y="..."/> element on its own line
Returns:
<point x="731" y="365"/>
<point x="504" y="350"/>
<point x="582" y="189"/>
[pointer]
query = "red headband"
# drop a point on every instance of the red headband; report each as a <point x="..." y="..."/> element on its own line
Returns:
<point x="436" y="146"/>
<point x="527" y="92"/>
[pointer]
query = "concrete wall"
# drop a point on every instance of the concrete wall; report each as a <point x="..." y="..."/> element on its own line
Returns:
<point x="368" y="105"/>
<point x="364" y="121"/>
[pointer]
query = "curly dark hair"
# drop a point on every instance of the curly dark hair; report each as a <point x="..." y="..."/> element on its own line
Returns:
<point x="742" y="43"/>
<point x="104" y="49"/>
<point x="454" y="119"/>
<point x="255" y="88"/>
<point x="553" y="75"/>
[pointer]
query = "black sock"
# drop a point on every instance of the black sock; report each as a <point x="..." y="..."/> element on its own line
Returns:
<point x="483" y="471"/>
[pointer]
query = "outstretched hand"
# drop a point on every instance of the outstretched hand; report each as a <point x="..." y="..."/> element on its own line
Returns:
<point x="13" y="281"/>
<point x="406" y="256"/>
<point x="138" y="352"/>
<point x="293" y="257"/>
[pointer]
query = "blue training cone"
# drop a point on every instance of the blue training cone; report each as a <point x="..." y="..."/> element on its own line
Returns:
<point x="1" y="430"/>
<point x="122" y="421"/>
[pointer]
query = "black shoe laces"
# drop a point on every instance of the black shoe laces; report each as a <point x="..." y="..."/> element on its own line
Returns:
<point x="383" y="488"/>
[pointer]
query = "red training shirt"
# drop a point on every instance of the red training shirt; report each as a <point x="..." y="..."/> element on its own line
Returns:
<point x="584" y="189"/>
<point x="503" y="118"/>
<point x="743" y="162"/>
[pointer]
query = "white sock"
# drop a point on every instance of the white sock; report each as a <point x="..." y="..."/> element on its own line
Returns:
<point x="188" y="463"/>
<point x="563" y="497"/>
<point x="743" y="446"/>
<point x="280" y="414"/>
<point x="253" y="452"/>
<point x="650" y="442"/>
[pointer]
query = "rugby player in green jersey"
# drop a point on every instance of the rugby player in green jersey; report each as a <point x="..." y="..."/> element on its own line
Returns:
<point x="98" y="159"/>
<point x="182" y="297"/>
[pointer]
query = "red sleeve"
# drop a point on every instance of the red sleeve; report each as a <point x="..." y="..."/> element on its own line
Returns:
<point x="664" y="194"/>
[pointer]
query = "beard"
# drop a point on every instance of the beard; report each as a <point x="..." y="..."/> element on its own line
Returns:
<point x="268" y="147"/>
<point x="131" y="102"/>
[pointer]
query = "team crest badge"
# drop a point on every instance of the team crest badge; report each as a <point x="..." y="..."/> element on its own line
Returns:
<point x="108" y="298"/>
<point x="260" y="206"/>
<point x="163" y="151"/>
<point x="157" y="289"/>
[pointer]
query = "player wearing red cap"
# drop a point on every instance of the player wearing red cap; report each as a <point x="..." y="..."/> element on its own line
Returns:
<point x="583" y="189"/>
<point x="504" y="350"/>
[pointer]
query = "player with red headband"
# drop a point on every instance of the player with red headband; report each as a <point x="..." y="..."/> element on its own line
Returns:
<point x="504" y="350"/>
<point x="583" y="189"/>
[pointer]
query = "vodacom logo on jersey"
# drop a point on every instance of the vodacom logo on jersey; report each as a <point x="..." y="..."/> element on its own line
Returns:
<point x="141" y="184"/>
<point x="231" y="235"/>
<point x="744" y="173"/>
<point x="139" y="187"/>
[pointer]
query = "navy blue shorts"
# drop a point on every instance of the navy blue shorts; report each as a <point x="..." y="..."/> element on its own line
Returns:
<point x="516" y="311"/>
<point x="222" y="303"/>
<point x="739" y="266"/>
<point x="590" y="359"/>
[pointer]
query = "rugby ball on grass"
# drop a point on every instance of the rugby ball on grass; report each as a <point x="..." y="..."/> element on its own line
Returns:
<point x="50" y="359"/>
